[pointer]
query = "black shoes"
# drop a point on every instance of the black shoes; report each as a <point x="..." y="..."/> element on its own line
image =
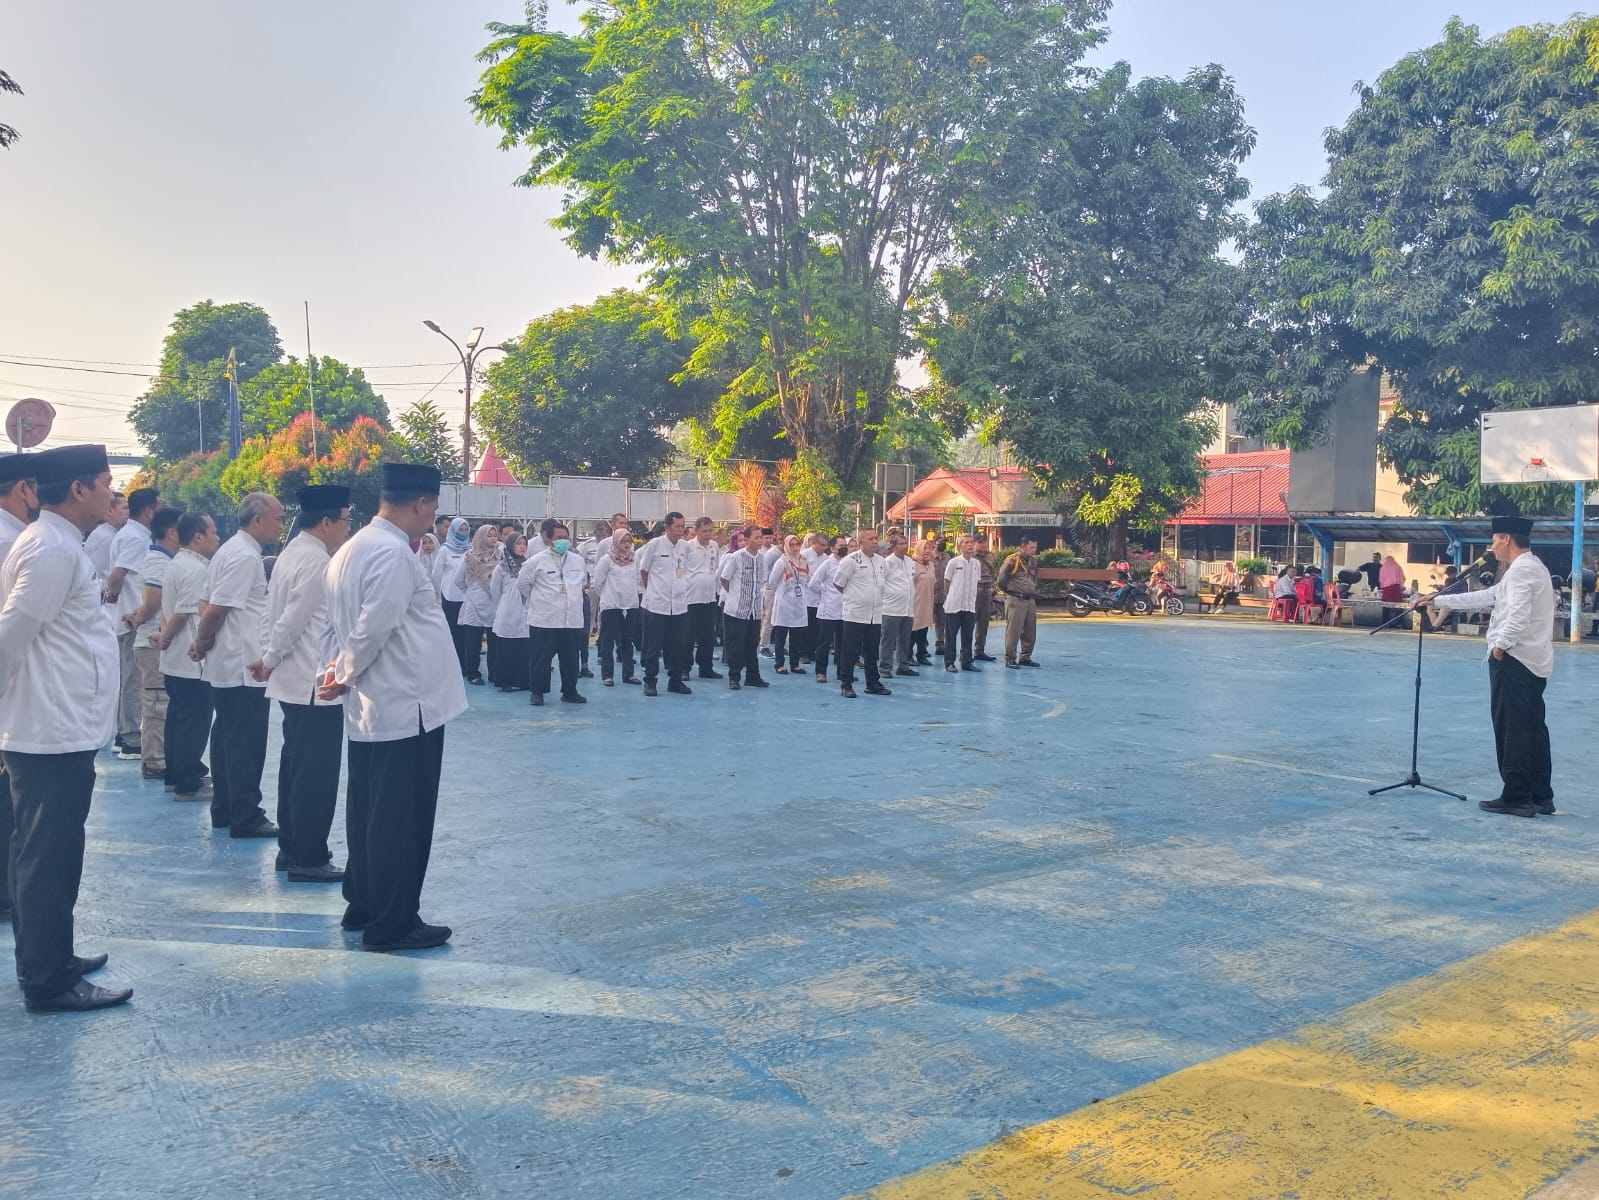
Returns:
<point x="711" y="674"/>
<point x="536" y="699"/>
<point x="87" y="966"/>
<point x="951" y="668"/>
<point x="970" y="667"/>
<point x="757" y="683"/>
<point x="585" y="673"/>
<point x="608" y="682"/>
<point x="475" y="680"/>
<point x="84" y="997"/>
<point x="981" y="657"/>
<point x="1510" y="810"/>
<point x="678" y="688"/>
<point x="907" y="671"/>
<point x="649" y="689"/>
<point x="281" y="863"/>
<point x="1010" y="666"/>
<point x="421" y="937"/>
<point x="733" y="685"/>
<point x="847" y="692"/>
<point x="1546" y="808"/>
<point x="877" y="689"/>
<point x="326" y="873"/>
<point x="923" y="661"/>
<point x="258" y="828"/>
<point x="574" y="698"/>
<point x="633" y="679"/>
<point x="1027" y="662"/>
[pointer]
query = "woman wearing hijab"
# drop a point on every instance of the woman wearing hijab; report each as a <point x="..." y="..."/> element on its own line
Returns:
<point x="427" y="553"/>
<point x="474" y="577"/>
<point x="552" y="583"/>
<point x="510" y="617"/>
<point x="790" y="616"/>
<point x="923" y="583"/>
<point x="446" y="565"/>
<point x="616" y="583"/>
<point x="1391" y="580"/>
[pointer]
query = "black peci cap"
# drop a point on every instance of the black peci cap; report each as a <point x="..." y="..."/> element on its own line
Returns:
<point x="66" y="463"/>
<point x="411" y="477"/>
<point x="323" y="497"/>
<point x="16" y="466"/>
<point x="1520" y="526"/>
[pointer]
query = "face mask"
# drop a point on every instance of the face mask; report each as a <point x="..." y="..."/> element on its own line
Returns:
<point x="841" y="551"/>
<point x="561" y="546"/>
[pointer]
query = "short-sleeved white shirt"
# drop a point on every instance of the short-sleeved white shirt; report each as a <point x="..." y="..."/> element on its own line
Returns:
<point x="182" y="589"/>
<point x="152" y="573"/>
<point x="237" y="581"/>
<point x="129" y="549"/>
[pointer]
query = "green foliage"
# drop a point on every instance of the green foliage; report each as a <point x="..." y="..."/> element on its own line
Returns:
<point x="592" y="390"/>
<point x="1252" y="566"/>
<point x="8" y="134"/>
<point x="424" y="437"/>
<point x="793" y="170"/>
<point x="1063" y="558"/>
<point x="914" y="431"/>
<point x="308" y="452"/>
<point x="815" y="500"/>
<point x="1091" y="307"/>
<point x="279" y="393"/>
<point x="194" y="484"/>
<point x="190" y="385"/>
<point x="1456" y="247"/>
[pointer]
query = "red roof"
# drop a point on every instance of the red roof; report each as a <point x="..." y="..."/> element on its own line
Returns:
<point x="491" y="469"/>
<point x="970" y="484"/>
<point x="1241" y="489"/>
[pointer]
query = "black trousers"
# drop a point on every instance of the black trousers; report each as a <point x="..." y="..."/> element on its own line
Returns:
<point x="452" y="618"/>
<point x="50" y="796"/>
<point x="308" y="780"/>
<point x="7" y="826"/>
<point x="188" y="731"/>
<point x="861" y="640"/>
<point x="829" y="637"/>
<point x="740" y="635"/>
<point x="958" y="624"/>
<point x="243" y="714"/>
<point x="389" y="807"/>
<point x="583" y="634"/>
<point x="787" y="641"/>
<point x="471" y="651"/>
<point x="812" y="631"/>
<point x="493" y="667"/>
<point x="919" y="643"/>
<point x="619" y="636"/>
<point x="510" y="670"/>
<point x="545" y="644"/>
<point x="665" y="637"/>
<point x="1521" y="739"/>
<point x="702" y="635"/>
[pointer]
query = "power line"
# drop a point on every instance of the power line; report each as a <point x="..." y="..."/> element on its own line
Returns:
<point x="42" y="361"/>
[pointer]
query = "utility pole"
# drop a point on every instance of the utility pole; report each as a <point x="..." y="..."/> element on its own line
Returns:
<point x="468" y="357"/>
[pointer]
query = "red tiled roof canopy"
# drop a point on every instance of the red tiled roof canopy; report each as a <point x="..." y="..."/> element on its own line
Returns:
<point x="1241" y="489"/>
<point x="971" y="484"/>
<point x="491" y="469"/>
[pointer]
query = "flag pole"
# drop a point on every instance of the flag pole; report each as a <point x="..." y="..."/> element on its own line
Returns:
<point x="310" y="375"/>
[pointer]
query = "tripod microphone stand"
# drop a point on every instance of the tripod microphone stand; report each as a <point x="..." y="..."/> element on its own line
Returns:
<point x="1414" y="779"/>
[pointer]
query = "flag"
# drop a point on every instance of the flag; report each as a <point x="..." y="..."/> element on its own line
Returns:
<point x="235" y="426"/>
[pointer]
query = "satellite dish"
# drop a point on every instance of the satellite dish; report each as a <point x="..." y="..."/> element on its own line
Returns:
<point x="28" y="423"/>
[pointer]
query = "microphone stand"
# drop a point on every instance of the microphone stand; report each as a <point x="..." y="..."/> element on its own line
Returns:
<point x="1414" y="779"/>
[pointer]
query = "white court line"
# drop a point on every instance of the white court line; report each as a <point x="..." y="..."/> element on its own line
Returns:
<point x="1260" y="762"/>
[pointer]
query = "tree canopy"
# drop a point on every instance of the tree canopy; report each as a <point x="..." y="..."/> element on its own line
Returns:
<point x="1457" y="247"/>
<point x="8" y="133"/>
<point x="792" y="169"/>
<point x="591" y="390"/>
<point x="425" y="432"/>
<point x="279" y="393"/>
<point x="1088" y="312"/>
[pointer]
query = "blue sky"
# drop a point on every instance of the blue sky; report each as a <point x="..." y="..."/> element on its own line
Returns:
<point x="306" y="150"/>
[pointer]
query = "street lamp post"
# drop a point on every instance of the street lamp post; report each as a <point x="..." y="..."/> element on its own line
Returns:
<point x="468" y="359"/>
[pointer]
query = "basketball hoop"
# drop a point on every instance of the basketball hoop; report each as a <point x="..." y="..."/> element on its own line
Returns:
<point x="1536" y="471"/>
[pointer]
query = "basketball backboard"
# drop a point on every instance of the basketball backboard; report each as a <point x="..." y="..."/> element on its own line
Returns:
<point x="1541" y="445"/>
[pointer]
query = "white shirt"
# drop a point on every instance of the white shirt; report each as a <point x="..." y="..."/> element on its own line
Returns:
<point x="702" y="565"/>
<point x="829" y="600"/>
<point x="788" y="595"/>
<point x="152" y="574"/>
<point x="395" y="653"/>
<point x="589" y="551"/>
<point x="746" y="585"/>
<point x="666" y="591"/>
<point x="769" y="556"/>
<point x="860" y="577"/>
<point x="237" y="581"/>
<point x="98" y="547"/>
<point x="617" y="585"/>
<point x="899" y="586"/>
<point x="446" y="571"/>
<point x="477" y="601"/>
<point x="553" y="588"/>
<point x="128" y="551"/>
<point x="1521" y="619"/>
<point x="10" y="529"/>
<point x="813" y="594"/>
<point x="182" y="589"/>
<point x="510" y="607"/>
<point x="298" y="645"/>
<point x="960" y="584"/>
<point x="59" y="670"/>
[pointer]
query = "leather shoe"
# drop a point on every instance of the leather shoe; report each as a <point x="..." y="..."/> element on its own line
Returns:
<point x="710" y="675"/>
<point x="907" y="671"/>
<point x="1511" y="810"/>
<point x="574" y="698"/>
<point x="326" y="873"/>
<point x="847" y="692"/>
<point x="1010" y="666"/>
<point x="649" y="690"/>
<point x="984" y="658"/>
<point x="421" y="937"/>
<point x="585" y="673"/>
<point x="733" y="685"/>
<point x="1546" y="808"/>
<point x="203" y="793"/>
<point x="757" y="683"/>
<point x="536" y="699"/>
<point x="951" y="668"/>
<point x="258" y="828"/>
<point x="969" y="667"/>
<point x="678" y="688"/>
<point x="83" y="997"/>
<point x="633" y="679"/>
<point x="1028" y="662"/>
<point x="89" y="965"/>
<point x="877" y="689"/>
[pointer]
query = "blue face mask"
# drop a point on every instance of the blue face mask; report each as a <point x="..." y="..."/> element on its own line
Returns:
<point x="561" y="545"/>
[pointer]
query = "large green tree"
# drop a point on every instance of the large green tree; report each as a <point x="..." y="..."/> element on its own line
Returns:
<point x="277" y="394"/>
<point x="1088" y="312"/>
<point x="190" y="390"/>
<point x="424" y="432"/>
<point x="792" y="168"/>
<point x="591" y="390"/>
<point x="1456" y="246"/>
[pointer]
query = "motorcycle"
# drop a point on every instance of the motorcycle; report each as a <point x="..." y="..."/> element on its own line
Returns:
<point x="1084" y="598"/>
<point x="1167" y="597"/>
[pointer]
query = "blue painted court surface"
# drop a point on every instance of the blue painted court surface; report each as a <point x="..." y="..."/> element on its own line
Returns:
<point x="741" y="945"/>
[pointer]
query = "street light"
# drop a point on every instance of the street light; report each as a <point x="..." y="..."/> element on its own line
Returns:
<point x="468" y="359"/>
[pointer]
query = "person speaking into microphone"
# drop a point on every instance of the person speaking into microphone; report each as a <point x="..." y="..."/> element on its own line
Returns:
<point x="1521" y="657"/>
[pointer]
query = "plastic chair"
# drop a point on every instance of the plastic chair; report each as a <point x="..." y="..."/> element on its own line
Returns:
<point x="1282" y="609"/>
<point x="1308" y="610"/>
<point x="1333" y="611"/>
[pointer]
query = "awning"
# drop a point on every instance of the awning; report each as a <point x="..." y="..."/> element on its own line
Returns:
<point x="1474" y="530"/>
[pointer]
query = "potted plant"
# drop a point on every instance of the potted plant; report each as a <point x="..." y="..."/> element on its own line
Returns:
<point x="1250" y="573"/>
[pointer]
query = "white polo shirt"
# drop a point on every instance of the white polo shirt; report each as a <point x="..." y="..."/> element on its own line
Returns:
<point x="59" y="669"/>
<point x="899" y="586"/>
<point x="182" y="589"/>
<point x="960" y="584"/>
<point x="128" y="551"/>
<point x="152" y="574"/>
<point x="746" y="585"/>
<point x="702" y="564"/>
<point x="296" y="643"/>
<point x="666" y="593"/>
<point x="860" y="577"/>
<point x="237" y="581"/>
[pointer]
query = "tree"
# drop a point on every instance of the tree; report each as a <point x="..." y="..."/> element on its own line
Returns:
<point x="279" y="393"/>
<point x="8" y="134"/>
<point x="591" y="390"/>
<point x="307" y="452"/>
<point x="791" y="168"/>
<point x="189" y="390"/>
<point x="1088" y="307"/>
<point x="1456" y="247"/>
<point x="424" y="433"/>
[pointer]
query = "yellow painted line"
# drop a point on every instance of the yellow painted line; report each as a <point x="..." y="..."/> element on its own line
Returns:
<point x="1479" y="1081"/>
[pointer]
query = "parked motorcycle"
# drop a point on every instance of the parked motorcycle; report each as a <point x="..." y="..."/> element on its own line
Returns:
<point x="1083" y="598"/>
<point x="1168" y="598"/>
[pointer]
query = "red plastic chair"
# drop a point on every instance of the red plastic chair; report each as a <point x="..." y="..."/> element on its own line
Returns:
<point x="1282" y="609"/>
<point x="1308" y="610"/>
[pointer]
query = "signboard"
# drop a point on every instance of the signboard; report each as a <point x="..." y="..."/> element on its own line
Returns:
<point x="1541" y="445"/>
<point x="585" y="496"/>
